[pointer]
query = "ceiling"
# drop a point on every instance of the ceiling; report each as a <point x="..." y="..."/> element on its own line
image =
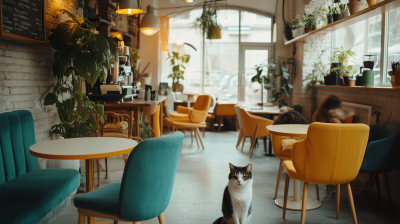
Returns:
<point x="167" y="6"/>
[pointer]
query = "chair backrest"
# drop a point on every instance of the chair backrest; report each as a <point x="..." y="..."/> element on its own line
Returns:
<point x="149" y="177"/>
<point x="250" y="122"/>
<point x="237" y="109"/>
<point x="331" y="153"/>
<point x="382" y="151"/>
<point x="226" y="109"/>
<point x="202" y="102"/>
<point x="17" y="134"/>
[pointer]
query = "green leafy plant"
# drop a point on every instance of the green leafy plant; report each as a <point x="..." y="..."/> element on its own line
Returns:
<point x="288" y="31"/>
<point x="80" y="55"/>
<point x="343" y="57"/>
<point x="349" y="71"/>
<point x="277" y="79"/>
<point x="321" y="14"/>
<point x="343" y="7"/>
<point x="178" y="63"/>
<point x="307" y="20"/>
<point x="296" y="22"/>
<point x="259" y="69"/>
<point x="317" y="74"/>
<point x="207" y="23"/>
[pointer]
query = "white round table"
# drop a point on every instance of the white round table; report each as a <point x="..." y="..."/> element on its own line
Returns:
<point x="293" y="202"/>
<point x="83" y="148"/>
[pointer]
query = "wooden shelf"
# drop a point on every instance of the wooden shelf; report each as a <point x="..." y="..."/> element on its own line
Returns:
<point x="378" y="88"/>
<point x="369" y="12"/>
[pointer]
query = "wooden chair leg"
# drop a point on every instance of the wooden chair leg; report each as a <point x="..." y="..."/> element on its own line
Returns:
<point x="385" y="177"/>
<point x="136" y="222"/>
<point x="161" y="218"/>
<point x="204" y="132"/>
<point x="201" y="140"/>
<point x="354" y="187"/>
<point x="197" y="139"/>
<point x="351" y="202"/>
<point x="219" y="125"/>
<point x="285" y="196"/>
<point x="304" y="203"/>
<point x="337" y="200"/>
<point x="237" y="123"/>
<point x="317" y="191"/>
<point x="240" y="138"/>
<point x="378" y="185"/>
<point x="191" y="134"/>
<point x="279" y="178"/>
<point x="98" y="172"/>
<point x="212" y="125"/>
<point x="107" y="167"/>
<point x="81" y="219"/>
<point x="254" y="141"/>
<point x="244" y="139"/>
<point x="265" y="144"/>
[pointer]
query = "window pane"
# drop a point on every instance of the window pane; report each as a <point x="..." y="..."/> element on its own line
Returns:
<point x="254" y="28"/>
<point x="254" y="58"/>
<point x="393" y="40"/>
<point x="222" y="55"/>
<point x="364" y="38"/>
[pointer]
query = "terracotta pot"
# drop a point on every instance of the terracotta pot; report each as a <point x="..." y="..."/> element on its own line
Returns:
<point x="177" y="87"/>
<point x="214" y="33"/>
<point x="355" y="7"/>
<point x="395" y="78"/>
<point x="307" y="29"/>
<point x="371" y="2"/>
<point x="352" y="82"/>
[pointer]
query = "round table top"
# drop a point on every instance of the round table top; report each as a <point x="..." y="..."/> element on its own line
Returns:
<point x="82" y="148"/>
<point x="290" y="130"/>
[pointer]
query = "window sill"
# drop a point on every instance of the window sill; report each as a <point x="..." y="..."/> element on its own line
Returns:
<point x="378" y="88"/>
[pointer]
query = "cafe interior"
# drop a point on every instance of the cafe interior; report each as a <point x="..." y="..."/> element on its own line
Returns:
<point x="199" y="111"/>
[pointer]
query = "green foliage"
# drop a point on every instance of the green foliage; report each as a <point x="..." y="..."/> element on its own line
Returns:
<point x="307" y="19"/>
<point x="278" y="70"/>
<point x="343" y="56"/>
<point x="178" y="63"/>
<point x="79" y="51"/>
<point x="76" y="115"/>
<point x="208" y="20"/>
<point x="80" y="55"/>
<point x="257" y="77"/>
<point x="288" y="31"/>
<point x="296" y="22"/>
<point x="317" y="74"/>
<point x="343" y="7"/>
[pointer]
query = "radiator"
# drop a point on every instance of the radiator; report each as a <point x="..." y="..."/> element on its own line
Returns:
<point x="364" y="112"/>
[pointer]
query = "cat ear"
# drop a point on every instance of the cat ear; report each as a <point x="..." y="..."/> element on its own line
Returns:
<point x="231" y="167"/>
<point x="249" y="168"/>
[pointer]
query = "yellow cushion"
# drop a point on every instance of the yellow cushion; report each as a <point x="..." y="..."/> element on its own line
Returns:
<point x="178" y="115"/>
<point x="348" y="119"/>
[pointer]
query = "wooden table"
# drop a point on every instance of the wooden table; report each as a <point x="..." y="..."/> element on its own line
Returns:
<point x="83" y="148"/>
<point x="294" y="202"/>
<point x="154" y="108"/>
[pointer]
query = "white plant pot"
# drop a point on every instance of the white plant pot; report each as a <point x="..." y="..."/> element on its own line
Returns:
<point x="300" y="31"/>
<point x="145" y="81"/>
<point x="294" y="33"/>
<point x="63" y="164"/>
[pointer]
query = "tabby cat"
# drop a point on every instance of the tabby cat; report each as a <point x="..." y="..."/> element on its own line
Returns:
<point x="237" y="200"/>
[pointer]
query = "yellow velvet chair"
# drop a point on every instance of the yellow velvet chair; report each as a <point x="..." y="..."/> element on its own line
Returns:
<point x="331" y="154"/>
<point x="226" y="111"/>
<point x="195" y="119"/>
<point x="202" y="103"/>
<point x="254" y="127"/>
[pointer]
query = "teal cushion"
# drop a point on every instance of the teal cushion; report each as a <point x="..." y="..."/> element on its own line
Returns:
<point x="103" y="200"/>
<point x="28" y="198"/>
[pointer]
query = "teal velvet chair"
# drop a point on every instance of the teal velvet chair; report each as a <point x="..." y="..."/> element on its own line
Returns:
<point x="146" y="186"/>
<point x="27" y="194"/>
<point x="382" y="154"/>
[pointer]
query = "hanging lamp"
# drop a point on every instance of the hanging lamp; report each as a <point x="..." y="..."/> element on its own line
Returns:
<point x="129" y="7"/>
<point x="188" y="0"/>
<point x="149" y="25"/>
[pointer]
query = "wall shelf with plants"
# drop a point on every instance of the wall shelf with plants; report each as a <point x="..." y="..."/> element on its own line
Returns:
<point x="353" y="18"/>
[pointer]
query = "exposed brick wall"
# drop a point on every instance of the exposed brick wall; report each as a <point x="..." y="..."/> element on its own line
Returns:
<point x="26" y="74"/>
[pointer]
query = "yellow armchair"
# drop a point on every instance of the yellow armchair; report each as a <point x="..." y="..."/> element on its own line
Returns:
<point x="331" y="154"/>
<point x="255" y="127"/>
<point x="181" y="110"/>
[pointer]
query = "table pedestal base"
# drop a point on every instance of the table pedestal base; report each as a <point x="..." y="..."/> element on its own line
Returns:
<point x="296" y="205"/>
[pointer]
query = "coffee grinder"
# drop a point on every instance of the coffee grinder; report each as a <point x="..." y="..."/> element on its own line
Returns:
<point x="368" y="73"/>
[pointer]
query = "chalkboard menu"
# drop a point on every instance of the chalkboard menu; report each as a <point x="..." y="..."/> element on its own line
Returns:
<point x="23" y="20"/>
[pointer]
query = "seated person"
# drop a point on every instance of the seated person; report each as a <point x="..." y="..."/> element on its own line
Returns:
<point x="330" y="111"/>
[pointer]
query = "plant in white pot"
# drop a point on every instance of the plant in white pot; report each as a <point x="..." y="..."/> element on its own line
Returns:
<point x="80" y="55"/>
<point x="178" y="64"/>
<point x="297" y="26"/>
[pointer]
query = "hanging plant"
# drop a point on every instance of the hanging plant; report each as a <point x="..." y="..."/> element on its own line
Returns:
<point x="207" y="23"/>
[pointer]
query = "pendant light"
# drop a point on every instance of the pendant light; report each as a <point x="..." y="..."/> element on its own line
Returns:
<point x="129" y="7"/>
<point x="149" y="25"/>
<point x="188" y="0"/>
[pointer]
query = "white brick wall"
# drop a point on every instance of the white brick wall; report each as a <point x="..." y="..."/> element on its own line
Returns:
<point x="26" y="76"/>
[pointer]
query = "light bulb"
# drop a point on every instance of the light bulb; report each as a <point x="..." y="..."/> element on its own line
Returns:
<point x="149" y="31"/>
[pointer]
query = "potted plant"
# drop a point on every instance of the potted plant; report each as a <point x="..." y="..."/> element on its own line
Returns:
<point x="80" y="55"/>
<point x="349" y="75"/>
<point x="329" y="16"/>
<point x="355" y="6"/>
<point x="340" y="57"/>
<point x="297" y="27"/>
<point x="207" y="23"/>
<point x="315" y="78"/>
<point x="288" y="31"/>
<point x="307" y="21"/>
<point x="344" y="10"/>
<point x="177" y="63"/>
<point x="336" y="13"/>
<point x="319" y="18"/>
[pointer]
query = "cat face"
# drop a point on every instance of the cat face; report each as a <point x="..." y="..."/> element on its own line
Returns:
<point x="240" y="176"/>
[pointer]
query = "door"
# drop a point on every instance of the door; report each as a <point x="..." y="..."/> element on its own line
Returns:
<point x="250" y="56"/>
